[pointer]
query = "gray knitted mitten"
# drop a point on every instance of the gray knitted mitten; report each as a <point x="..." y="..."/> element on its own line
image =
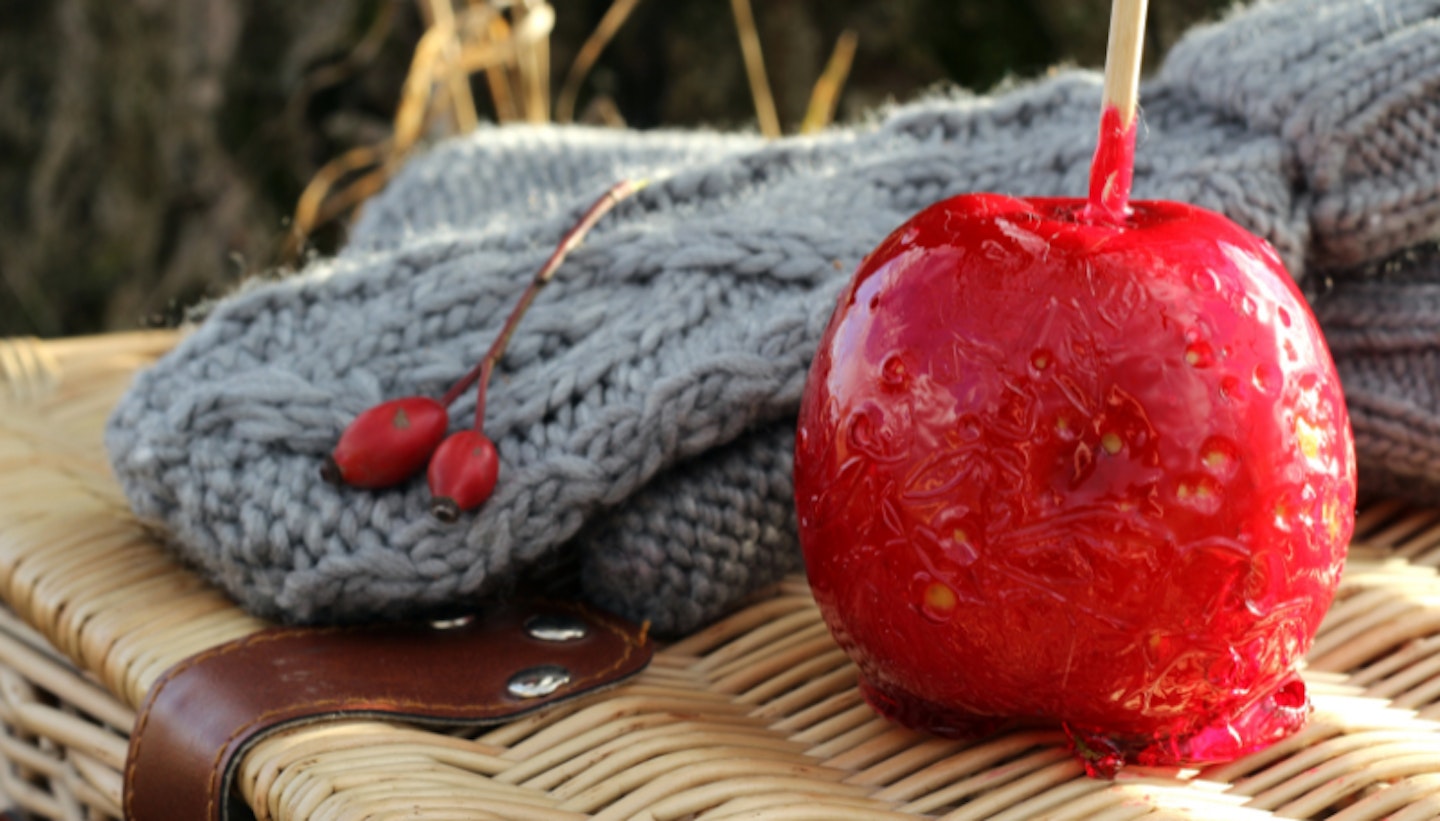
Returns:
<point x="644" y="412"/>
<point x="1383" y="326"/>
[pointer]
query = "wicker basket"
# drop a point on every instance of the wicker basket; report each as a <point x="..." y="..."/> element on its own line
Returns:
<point x="756" y="717"/>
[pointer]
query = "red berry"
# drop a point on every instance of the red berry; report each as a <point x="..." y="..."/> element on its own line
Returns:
<point x="1095" y="473"/>
<point x="387" y="444"/>
<point x="462" y="473"/>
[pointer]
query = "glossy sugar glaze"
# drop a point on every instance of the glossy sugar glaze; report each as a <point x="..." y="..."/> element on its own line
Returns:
<point x="1059" y="469"/>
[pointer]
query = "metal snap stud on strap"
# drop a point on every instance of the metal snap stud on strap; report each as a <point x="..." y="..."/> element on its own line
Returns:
<point x="538" y="682"/>
<point x="182" y="759"/>
<point x="556" y="627"/>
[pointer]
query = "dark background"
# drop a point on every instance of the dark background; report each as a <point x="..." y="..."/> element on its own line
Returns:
<point x="151" y="150"/>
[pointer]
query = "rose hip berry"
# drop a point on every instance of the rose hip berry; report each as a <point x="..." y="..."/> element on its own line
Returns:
<point x="390" y="442"/>
<point x="462" y="473"/>
<point x="386" y="444"/>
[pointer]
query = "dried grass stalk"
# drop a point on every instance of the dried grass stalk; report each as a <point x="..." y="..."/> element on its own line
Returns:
<point x="533" y="23"/>
<point x="457" y="85"/>
<point x="513" y="53"/>
<point x="823" y="98"/>
<point x="595" y="44"/>
<point x="755" y="68"/>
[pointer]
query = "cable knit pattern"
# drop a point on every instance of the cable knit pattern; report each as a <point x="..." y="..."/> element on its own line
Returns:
<point x="1353" y="87"/>
<point x="644" y="409"/>
<point x="1383" y="326"/>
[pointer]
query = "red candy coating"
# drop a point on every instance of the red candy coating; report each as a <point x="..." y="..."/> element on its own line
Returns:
<point x="463" y="473"/>
<point x="1093" y="471"/>
<point x="388" y="443"/>
<point x="1112" y="171"/>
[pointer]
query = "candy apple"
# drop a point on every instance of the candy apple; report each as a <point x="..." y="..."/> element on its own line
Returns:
<point x="1077" y="462"/>
<point x="1057" y="469"/>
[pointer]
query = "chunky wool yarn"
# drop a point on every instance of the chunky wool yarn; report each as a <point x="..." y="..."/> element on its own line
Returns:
<point x="644" y="410"/>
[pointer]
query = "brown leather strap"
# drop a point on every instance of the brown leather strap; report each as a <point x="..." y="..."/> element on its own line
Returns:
<point x="207" y="710"/>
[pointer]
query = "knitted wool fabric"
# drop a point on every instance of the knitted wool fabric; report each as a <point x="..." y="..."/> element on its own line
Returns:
<point x="1383" y="327"/>
<point x="644" y="411"/>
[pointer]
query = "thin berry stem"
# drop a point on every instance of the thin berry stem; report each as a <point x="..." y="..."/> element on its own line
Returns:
<point x="481" y="371"/>
<point x="487" y="367"/>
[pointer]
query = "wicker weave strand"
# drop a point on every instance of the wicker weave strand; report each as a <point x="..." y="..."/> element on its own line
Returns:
<point x="754" y="717"/>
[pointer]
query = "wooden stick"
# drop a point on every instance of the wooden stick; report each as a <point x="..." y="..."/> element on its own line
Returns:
<point x="1114" y="164"/>
<point x="1122" y="57"/>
